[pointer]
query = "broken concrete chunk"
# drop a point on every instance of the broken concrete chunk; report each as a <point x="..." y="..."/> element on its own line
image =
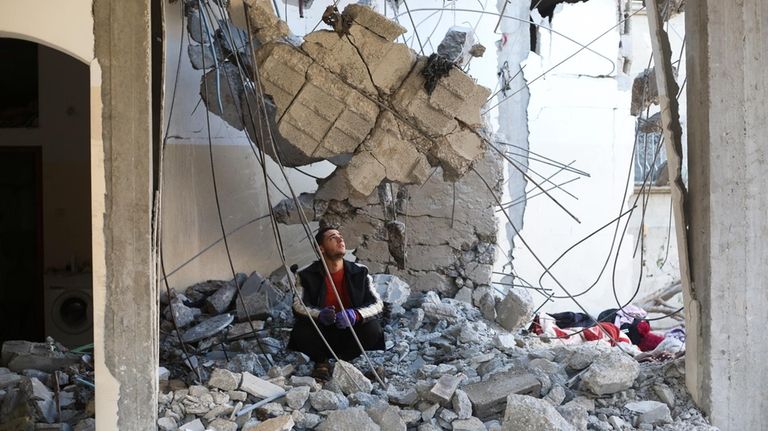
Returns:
<point x="220" y="89"/>
<point x="489" y="397"/>
<point x="351" y="419"/>
<point x="220" y="424"/>
<point x="575" y="414"/>
<point x="406" y="397"/>
<point x="610" y="373"/>
<point x="259" y="388"/>
<point x="184" y="315"/>
<point x="515" y="310"/>
<point x="220" y="301"/>
<point x="386" y="416"/>
<point x="443" y="390"/>
<point x="282" y="423"/>
<point x="20" y="355"/>
<point x="469" y="424"/>
<point x="224" y="379"/>
<point x="259" y="296"/>
<point x="526" y="413"/>
<point x="324" y="399"/>
<point x="461" y="404"/>
<point x="297" y="397"/>
<point x="350" y="379"/>
<point x="650" y="412"/>
<point x="391" y="289"/>
<point x="167" y="424"/>
<point x="264" y="24"/>
<point x="377" y="23"/>
<point x="441" y="311"/>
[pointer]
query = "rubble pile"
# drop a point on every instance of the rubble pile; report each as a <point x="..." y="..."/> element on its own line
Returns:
<point x="42" y="387"/>
<point x="446" y="367"/>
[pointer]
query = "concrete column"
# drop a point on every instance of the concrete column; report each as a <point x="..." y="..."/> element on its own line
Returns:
<point x="728" y="209"/>
<point x="127" y="338"/>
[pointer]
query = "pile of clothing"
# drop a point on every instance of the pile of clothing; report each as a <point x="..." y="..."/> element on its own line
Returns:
<point x="627" y="325"/>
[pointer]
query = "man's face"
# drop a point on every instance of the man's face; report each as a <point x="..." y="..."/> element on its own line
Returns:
<point x="333" y="244"/>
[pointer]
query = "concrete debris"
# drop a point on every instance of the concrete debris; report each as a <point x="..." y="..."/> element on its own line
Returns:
<point x="350" y="379"/>
<point x="391" y="289"/>
<point x="20" y="355"/>
<point x="462" y="372"/>
<point x="524" y="413"/>
<point x="281" y="423"/>
<point x="351" y="419"/>
<point x="489" y="397"/>
<point x="516" y="309"/>
<point x="55" y="399"/>
<point x="328" y="97"/>
<point x="224" y="379"/>
<point x="649" y="412"/>
<point x="258" y="387"/>
<point x="386" y="416"/>
<point x="261" y="299"/>
<point x="610" y="373"/>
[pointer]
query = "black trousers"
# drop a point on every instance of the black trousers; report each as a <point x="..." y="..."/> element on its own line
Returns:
<point x="304" y="339"/>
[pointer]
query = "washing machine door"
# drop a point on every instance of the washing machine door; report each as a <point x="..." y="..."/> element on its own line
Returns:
<point x="72" y="312"/>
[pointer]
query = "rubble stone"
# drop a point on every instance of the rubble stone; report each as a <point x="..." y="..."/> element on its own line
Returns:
<point x="489" y="397"/>
<point x="19" y="355"/>
<point x="387" y="417"/>
<point x="167" y="424"/>
<point x="305" y="420"/>
<point x="351" y="419"/>
<point x="610" y="373"/>
<point x="324" y="399"/>
<point x="194" y="425"/>
<point x="650" y="412"/>
<point x="575" y="414"/>
<point x="391" y="289"/>
<point x="224" y="379"/>
<point x="526" y="413"/>
<point x="406" y="397"/>
<point x="220" y="301"/>
<point x="297" y="397"/>
<point x="350" y="379"/>
<point x="258" y="387"/>
<point x="515" y="310"/>
<point x="469" y="424"/>
<point x="282" y="423"/>
<point x="461" y="404"/>
<point x="444" y="389"/>
<point x="220" y="424"/>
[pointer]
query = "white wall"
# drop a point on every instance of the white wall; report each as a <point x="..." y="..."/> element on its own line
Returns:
<point x="578" y="112"/>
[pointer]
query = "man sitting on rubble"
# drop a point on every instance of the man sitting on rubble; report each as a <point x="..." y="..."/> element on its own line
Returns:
<point x="361" y="309"/>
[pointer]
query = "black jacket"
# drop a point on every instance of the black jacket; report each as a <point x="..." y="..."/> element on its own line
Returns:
<point x="310" y="287"/>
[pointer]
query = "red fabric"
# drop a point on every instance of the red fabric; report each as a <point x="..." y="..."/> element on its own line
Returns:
<point x="595" y="333"/>
<point x="649" y="340"/>
<point x="341" y="285"/>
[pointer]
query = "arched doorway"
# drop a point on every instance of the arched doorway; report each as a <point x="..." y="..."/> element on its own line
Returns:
<point x="45" y="190"/>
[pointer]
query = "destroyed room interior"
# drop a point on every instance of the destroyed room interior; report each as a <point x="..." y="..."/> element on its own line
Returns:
<point x="383" y="215"/>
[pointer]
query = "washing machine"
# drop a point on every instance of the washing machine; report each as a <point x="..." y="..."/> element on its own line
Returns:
<point x="69" y="308"/>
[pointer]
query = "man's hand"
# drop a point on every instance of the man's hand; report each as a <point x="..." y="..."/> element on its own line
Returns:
<point x="327" y="316"/>
<point x="346" y="318"/>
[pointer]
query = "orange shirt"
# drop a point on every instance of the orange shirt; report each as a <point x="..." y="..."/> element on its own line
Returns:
<point x="341" y="286"/>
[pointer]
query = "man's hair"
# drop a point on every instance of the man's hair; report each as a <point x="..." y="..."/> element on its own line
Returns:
<point x="320" y="235"/>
